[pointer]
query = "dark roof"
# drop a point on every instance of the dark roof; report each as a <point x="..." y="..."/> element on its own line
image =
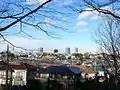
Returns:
<point x="5" y="67"/>
<point x="23" y="66"/>
<point x="63" y="70"/>
<point x="29" y="66"/>
<point x="19" y="67"/>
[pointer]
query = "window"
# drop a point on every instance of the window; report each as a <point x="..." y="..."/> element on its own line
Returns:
<point x="18" y="74"/>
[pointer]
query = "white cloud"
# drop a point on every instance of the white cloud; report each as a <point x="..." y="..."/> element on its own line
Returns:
<point x="96" y="18"/>
<point x="84" y="15"/>
<point x="87" y="14"/>
<point x="82" y="23"/>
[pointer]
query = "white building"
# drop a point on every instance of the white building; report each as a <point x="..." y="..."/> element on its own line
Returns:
<point x="19" y="76"/>
<point x="76" y="50"/>
<point x="17" y="73"/>
<point x="89" y="73"/>
<point x="67" y="50"/>
<point x="3" y="75"/>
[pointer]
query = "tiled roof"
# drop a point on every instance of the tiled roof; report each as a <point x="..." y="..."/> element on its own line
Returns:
<point x="84" y="69"/>
<point x="5" y="67"/>
<point x="20" y="67"/>
<point x="29" y="66"/>
<point x="79" y="67"/>
<point x="23" y="66"/>
<point x="49" y="65"/>
<point x="63" y="70"/>
<point x="89" y="71"/>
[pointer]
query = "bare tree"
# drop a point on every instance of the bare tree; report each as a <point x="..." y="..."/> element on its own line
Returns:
<point x="29" y="13"/>
<point x="8" y="13"/>
<point x="108" y="36"/>
<point x="97" y="5"/>
<point x="108" y="39"/>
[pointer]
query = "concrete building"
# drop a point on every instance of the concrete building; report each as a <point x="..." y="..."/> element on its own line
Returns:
<point x="41" y="50"/>
<point x="67" y="50"/>
<point x="76" y="50"/>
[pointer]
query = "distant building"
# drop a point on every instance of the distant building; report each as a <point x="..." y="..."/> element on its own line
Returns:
<point x="67" y="50"/>
<point x="76" y="50"/>
<point x="55" y="50"/>
<point x="40" y="50"/>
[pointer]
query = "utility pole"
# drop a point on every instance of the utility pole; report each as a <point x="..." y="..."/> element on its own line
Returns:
<point x="7" y="66"/>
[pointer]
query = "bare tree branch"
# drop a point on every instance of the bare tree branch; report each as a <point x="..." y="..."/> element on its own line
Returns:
<point x="98" y="6"/>
<point x="24" y="16"/>
<point x="107" y="39"/>
<point x="11" y="43"/>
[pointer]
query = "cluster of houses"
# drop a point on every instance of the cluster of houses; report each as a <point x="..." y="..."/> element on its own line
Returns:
<point x="44" y="57"/>
<point x="18" y="74"/>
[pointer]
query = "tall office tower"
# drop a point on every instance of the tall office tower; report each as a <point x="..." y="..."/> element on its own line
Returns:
<point x="67" y="50"/>
<point x="40" y="50"/>
<point x="76" y="50"/>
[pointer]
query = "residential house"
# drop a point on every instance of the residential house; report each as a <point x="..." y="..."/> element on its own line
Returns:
<point x="23" y="72"/>
<point x="89" y="73"/>
<point x="18" y="74"/>
<point x="32" y="70"/>
<point x="100" y="70"/>
<point x="3" y="70"/>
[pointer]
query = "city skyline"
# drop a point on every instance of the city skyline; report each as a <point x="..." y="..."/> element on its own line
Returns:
<point x="65" y="50"/>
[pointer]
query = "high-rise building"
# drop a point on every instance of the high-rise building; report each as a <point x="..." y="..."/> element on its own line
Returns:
<point x="76" y="50"/>
<point x="67" y="50"/>
<point x="40" y="50"/>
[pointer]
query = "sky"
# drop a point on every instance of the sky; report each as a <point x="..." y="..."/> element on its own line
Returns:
<point x="79" y="31"/>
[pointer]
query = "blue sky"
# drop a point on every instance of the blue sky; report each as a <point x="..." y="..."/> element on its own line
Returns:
<point x="79" y="33"/>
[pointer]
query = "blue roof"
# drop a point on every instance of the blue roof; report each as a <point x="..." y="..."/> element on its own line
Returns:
<point x="63" y="70"/>
<point x="98" y="69"/>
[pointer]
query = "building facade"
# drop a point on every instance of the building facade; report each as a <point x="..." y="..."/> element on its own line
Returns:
<point x="67" y="50"/>
<point x="76" y="50"/>
<point x="41" y="50"/>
